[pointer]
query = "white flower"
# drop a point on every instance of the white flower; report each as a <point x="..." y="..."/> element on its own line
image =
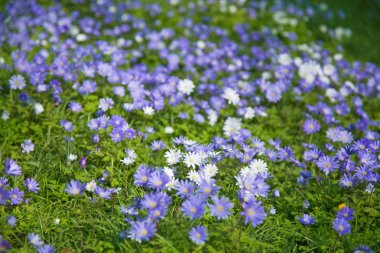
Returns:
<point x="38" y="108"/>
<point x="169" y="130"/>
<point x="188" y="142"/>
<point x="81" y="37"/>
<point x="249" y="113"/>
<point x="192" y="159"/>
<point x="194" y="176"/>
<point x="131" y="153"/>
<point x="284" y="59"/>
<point x="232" y="125"/>
<point x="57" y="221"/>
<point x="127" y="160"/>
<point x="231" y="96"/>
<point x="169" y="172"/>
<point x="171" y="184"/>
<point x="91" y="186"/>
<point x="148" y="110"/>
<point x="212" y="117"/>
<point x="210" y="170"/>
<point x="258" y="166"/>
<point x="173" y="156"/>
<point x="309" y="71"/>
<point x="5" y="115"/>
<point x="186" y="86"/>
<point x="72" y="157"/>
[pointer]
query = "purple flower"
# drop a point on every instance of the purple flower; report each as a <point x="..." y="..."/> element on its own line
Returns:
<point x="253" y="212"/>
<point x="83" y="162"/>
<point x="346" y="213"/>
<point x="11" y="221"/>
<point x="67" y="125"/>
<point x="198" y="235"/>
<point x="11" y="167"/>
<point x="327" y="164"/>
<point x="46" y="249"/>
<point x="106" y="103"/>
<point x="4" y="196"/>
<point x="75" y="187"/>
<point x="117" y="135"/>
<point x="158" y="180"/>
<point x="15" y="195"/>
<point x="208" y="187"/>
<point x="4" y="245"/>
<point x="157" y="145"/>
<point x="363" y="249"/>
<point x="87" y="87"/>
<point x="35" y="240"/>
<point x="194" y="207"/>
<point x="31" y="185"/>
<point x="27" y="146"/>
<point x="184" y="188"/>
<point x="341" y="226"/>
<point x="142" y="175"/>
<point x="142" y="230"/>
<point x="311" y="126"/>
<point x="103" y="193"/>
<point x="220" y="207"/>
<point x="307" y="219"/>
<point x="75" y="107"/>
<point x="17" y="82"/>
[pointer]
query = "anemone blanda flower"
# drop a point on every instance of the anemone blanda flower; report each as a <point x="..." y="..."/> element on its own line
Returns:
<point x="27" y="146"/>
<point x="220" y="207"/>
<point x="12" y="168"/>
<point x="31" y="185"/>
<point x="198" y="235"/>
<point x="307" y="219"/>
<point x="253" y="212"/>
<point x="75" y="187"/>
<point x="194" y="207"/>
<point x="341" y="226"/>
<point x="17" y="82"/>
<point x="142" y="230"/>
<point x="311" y="126"/>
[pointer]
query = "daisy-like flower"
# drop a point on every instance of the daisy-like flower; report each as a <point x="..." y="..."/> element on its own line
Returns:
<point x="169" y="130"/>
<point x="75" y="187"/>
<point x="311" y="126"/>
<point x="327" y="164"/>
<point x="17" y="82"/>
<point x="173" y="156"/>
<point x="105" y="104"/>
<point x="307" y="219"/>
<point x="220" y="207"/>
<point x="148" y="110"/>
<point x="91" y="186"/>
<point x="35" y="240"/>
<point x="11" y="168"/>
<point x="31" y="185"/>
<point x="341" y="226"/>
<point x="27" y="146"/>
<point x="186" y="86"/>
<point x="38" y="108"/>
<point x="253" y="212"/>
<point x="194" y="207"/>
<point x="231" y="96"/>
<point x="198" y="235"/>
<point x="232" y="125"/>
<point x="257" y="166"/>
<point x="127" y="160"/>
<point x="72" y="157"/>
<point x="192" y="159"/>
<point x="142" y="230"/>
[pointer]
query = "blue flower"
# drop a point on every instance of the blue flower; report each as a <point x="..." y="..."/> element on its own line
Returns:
<point x="341" y="226"/>
<point x="253" y="212"/>
<point x="12" y="168"/>
<point x="198" y="235"/>
<point x="142" y="230"/>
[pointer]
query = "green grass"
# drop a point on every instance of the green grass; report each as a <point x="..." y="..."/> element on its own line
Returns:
<point x="94" y="226"/>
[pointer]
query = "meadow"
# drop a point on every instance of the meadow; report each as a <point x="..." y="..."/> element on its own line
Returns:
<point x="189" y="126"/>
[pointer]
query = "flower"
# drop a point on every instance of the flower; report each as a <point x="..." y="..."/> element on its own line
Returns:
<point x="220" y="207"/>
<point x="194" y="207"/>
<point x="27" y="146"/>
<point x="17" y="82"/>
<point x="31" y="185"/>
<point x="35" y="239"/>
<point x="186" y="86"/>
<point x="232" y="125"/>
<point x="72" y="157"/>
<point x="341" y="226"/>
<point x="11" y="221"/>
<point x="75" y="187"/>
<point x="91" y="186"/>
<point x="307" y="219"/>
<point x="231" y="96"/>
<point x="11" y="167"/>
<point x="311" y="126"/>
<point x="346" y="213"/>
<point x="142" y="230"/>
<point x="253" y="212"/>
<point x="148" y="110"/>
<point x="106" y="103"/>
<point x="192" y="159"/>
<point x="4" y="196"/>
<point x="38" y="108"/>
<point x="103" y="193"/>
<point x="46" y="249"/>
<point x="327" y="164"/>
<point x="173" y="156"/>
<point x="198" y="235"/>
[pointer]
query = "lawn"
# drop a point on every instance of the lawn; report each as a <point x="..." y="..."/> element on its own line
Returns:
<point x="189" y="126"/>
